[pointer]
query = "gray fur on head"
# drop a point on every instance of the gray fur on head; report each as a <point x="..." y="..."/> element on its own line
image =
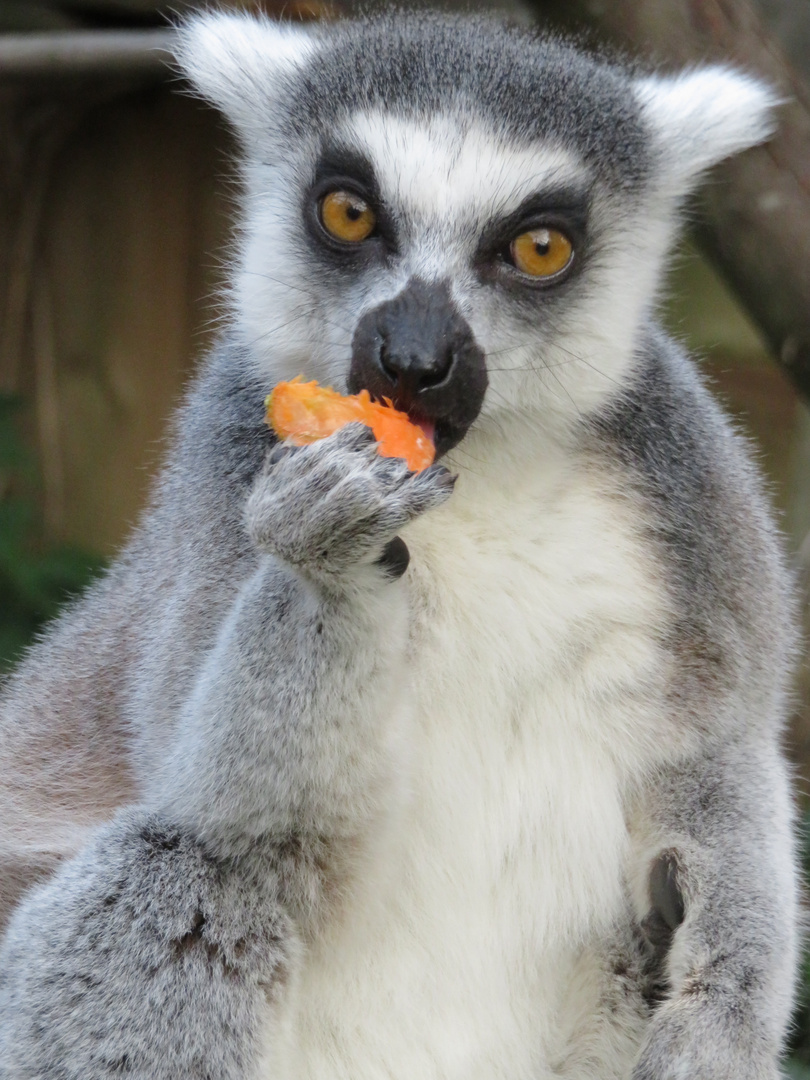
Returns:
<point x="474" y="773"/>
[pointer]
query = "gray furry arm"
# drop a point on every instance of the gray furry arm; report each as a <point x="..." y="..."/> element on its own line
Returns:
<point x="724" y="900"/>
<point x="290" y="728"/>
<point x="161" y="949"/>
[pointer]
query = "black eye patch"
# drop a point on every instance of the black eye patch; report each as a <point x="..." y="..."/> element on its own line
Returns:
<point x="343" y="168"/>
<point x="565" y="209"/>
<point x="346" y="163"/>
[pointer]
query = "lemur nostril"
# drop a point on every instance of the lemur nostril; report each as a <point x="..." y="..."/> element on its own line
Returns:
<point x="438" y="372"/>
<point x="415" y="370"/>
<point x="387" y="364"/>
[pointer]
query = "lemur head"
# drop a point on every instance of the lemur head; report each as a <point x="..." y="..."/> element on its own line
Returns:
<point x="468" y="219"/>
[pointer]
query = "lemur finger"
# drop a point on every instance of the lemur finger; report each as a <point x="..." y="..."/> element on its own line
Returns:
<point x="338" y="501"/>
<point x="351" y="437"/>
<point x="276" y="452"/>
<point x="286" y="456"/>
<point x="364" y="510"/>
<point x="430" y="489"/>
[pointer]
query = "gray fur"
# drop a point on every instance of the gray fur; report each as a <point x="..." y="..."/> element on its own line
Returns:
<point x="733" y="629"/>
<point x="207" y="944"/>
<point x="240" y="680"/>
<point x="291" y="691"/>
<point x="415" y="63"/>
<point x="188" y="909"/>
<point x="732" y="991"/>
<point x="733" y="642"/>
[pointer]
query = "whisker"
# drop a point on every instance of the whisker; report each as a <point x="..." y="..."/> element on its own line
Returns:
<point x="515" y="367"/>
<point x="582" y="360"/>
<point x="509" y="349"/>
<point x="564" y="388"/>
<point x="273" y="330"/>
<point x="305" y="292"/>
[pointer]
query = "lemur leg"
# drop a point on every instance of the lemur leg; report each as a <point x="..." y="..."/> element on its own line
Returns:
<point x="142" y="957"/>
<point x="722" y="887"/>
<point x="160" y="949"/>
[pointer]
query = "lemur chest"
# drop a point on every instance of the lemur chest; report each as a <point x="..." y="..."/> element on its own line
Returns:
<point x="507" y="850"/>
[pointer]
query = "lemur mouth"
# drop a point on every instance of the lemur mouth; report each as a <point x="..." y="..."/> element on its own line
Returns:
<point x="444" y="436"/>
<point x="428" y="428"/>
<point x="425" y="424"/>
<point x="444" y="432"/>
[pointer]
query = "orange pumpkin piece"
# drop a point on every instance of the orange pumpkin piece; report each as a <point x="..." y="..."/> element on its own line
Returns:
<point x="305" y="412"/>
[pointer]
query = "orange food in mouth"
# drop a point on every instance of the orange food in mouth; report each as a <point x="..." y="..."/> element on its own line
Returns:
<point x="305" y="412"/>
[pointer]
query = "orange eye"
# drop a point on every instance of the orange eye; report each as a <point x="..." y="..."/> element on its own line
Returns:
<point x="347" y="217"/>
<point x="542" y="252"/>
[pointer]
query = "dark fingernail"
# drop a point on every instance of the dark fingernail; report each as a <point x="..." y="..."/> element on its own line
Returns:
<point x="395" y="558"/>
<point x="277" y="452"/>
<point x="439" y="472"/>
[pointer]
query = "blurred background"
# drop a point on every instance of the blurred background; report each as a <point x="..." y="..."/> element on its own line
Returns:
<point x="116" y="206"/>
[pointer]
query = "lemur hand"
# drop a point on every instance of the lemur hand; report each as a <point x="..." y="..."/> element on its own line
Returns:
<point x="337" y="503"/>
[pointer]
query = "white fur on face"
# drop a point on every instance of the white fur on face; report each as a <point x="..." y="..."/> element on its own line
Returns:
<point x="445" y="175"/>
<point x="444" y="182"/>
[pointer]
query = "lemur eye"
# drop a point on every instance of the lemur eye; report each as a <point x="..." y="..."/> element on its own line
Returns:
<point x="347" y="217"/>
<point x="541" y="252"/>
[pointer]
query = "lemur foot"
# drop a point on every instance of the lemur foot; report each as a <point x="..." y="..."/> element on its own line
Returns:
<point x="337" y="503"/>
<point x="146" y="957"/>
<point x="699" y="1040"/>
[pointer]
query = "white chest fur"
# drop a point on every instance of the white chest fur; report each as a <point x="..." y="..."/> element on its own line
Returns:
<point x="532" y="672"/>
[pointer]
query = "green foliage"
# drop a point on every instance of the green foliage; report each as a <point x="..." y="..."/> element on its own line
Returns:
<point x="35" y="577"/>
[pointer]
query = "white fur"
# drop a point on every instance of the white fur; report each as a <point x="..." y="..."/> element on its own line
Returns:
<point x="701" y="117"/>
<point x="447" y="181"/>
<point x="459" y="955"/>
<point x="237" y="61"/>
<point x="534" y="570"/>
<point x="451" y="169"/>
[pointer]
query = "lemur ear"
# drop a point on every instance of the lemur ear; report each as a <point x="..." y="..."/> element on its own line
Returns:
<point x="238" y="62"/>
<point x="700" y="117"/>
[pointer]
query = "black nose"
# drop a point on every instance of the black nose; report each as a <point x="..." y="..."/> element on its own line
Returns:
<point x="412" y="343"/>
<point x="418" y="350"/>
<point x="412" y="364"/>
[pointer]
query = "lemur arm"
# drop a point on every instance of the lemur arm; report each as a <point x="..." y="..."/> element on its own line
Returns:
<point x="722" y="885"/>
<point x="160" y="950"/>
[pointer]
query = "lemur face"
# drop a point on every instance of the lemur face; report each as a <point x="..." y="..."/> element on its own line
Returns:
<point x="466" y="219"/>
<point x="449" y="252"/>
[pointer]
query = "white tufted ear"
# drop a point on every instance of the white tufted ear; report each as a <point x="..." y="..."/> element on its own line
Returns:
<point x="237" y="61"/>
<point x="702" y="116"/>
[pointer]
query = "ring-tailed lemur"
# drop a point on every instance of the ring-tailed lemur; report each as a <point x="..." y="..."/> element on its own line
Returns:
<point x="516" y="810"/>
